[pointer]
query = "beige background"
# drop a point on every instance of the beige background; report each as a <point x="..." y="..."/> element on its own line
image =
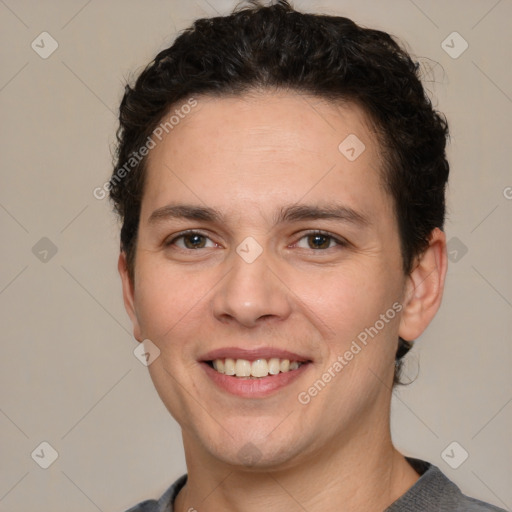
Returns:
<point x="68" y="375"/>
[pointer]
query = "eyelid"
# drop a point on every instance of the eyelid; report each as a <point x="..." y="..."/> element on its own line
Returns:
<point x="170" y="240"/>
<point x="337" y="239"/>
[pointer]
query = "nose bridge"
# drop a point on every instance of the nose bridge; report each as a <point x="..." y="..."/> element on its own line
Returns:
<point x="250" y="290"/>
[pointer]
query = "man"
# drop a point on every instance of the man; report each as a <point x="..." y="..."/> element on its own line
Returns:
<point x="280" y="181"/>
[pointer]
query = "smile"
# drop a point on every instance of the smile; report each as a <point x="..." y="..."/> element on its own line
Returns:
<point x="253" y="373"/>
<point x="243" y="368"/>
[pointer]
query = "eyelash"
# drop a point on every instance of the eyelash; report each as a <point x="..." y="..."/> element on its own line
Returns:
<point x="337" y="241"/>
<point x="183" y="234"/>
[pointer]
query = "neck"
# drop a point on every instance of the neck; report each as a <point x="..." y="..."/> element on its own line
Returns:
<point x="367" y="473"/>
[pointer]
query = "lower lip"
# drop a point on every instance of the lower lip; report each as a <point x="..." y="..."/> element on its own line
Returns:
<point x="253" y="388"/>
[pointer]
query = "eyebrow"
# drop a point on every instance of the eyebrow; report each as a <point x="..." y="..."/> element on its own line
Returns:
<point x="298" y="212"/>
<point x="290" y="213"/>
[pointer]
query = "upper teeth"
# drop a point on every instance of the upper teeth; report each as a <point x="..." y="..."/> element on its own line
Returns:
<point x="257" y="368"/>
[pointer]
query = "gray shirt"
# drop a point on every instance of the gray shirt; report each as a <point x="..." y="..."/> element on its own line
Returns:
<point x="433" y="492"/>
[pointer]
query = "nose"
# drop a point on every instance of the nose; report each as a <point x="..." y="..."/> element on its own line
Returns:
<point x="251" y="294"/>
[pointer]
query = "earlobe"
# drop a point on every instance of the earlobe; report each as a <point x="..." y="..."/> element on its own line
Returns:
<point x="425" y="287"/>
<point x="128" y="294"/>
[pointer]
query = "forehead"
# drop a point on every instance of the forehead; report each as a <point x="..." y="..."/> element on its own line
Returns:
<point x="265" y="147"/>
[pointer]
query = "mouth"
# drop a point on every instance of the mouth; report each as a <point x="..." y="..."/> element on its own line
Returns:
<point x="256" y="373"/>
<point x="257" y="369"/>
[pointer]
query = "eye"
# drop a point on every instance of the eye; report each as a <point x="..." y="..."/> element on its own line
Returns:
<point x="318" y="240"/>
<point x="191" y="240"/>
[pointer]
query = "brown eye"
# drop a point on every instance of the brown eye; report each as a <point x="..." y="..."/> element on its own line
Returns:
<point x="191" y="241"/>
<point x="194" y="241"/>
<point x="318" y="241"/>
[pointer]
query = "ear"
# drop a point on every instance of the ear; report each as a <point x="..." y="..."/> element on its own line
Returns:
<point x="128" y="294"/>
<point x="424" y="288"/>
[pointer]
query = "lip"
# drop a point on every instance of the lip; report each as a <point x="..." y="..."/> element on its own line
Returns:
<point x="253" y="388"/>
<point x="252" y="354"/>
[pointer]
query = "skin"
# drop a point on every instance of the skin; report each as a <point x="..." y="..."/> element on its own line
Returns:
<point x="248" y="157"/>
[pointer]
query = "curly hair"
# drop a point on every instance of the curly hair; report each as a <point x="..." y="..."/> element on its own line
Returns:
<point x="275" y="46"/>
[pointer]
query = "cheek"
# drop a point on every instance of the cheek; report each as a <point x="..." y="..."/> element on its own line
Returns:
<point x="344" y="296"/>
<point x="167" y="299"/>
<point x="344" y="303"/>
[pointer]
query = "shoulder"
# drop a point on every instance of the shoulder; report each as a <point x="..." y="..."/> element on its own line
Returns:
<point x="434" y="491"/>
<point x="145" y="506"/>
<point x="166" y="501"/>
<point x="473" y="505"/>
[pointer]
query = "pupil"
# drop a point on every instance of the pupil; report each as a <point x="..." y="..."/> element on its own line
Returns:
<point x="194" y="241"/>
<point x="319" y="241"/>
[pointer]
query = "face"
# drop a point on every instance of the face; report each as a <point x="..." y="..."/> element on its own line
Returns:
<point x="262" y="242"/>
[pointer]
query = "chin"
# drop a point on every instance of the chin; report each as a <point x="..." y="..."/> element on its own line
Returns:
<point x="258" y="455"/>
